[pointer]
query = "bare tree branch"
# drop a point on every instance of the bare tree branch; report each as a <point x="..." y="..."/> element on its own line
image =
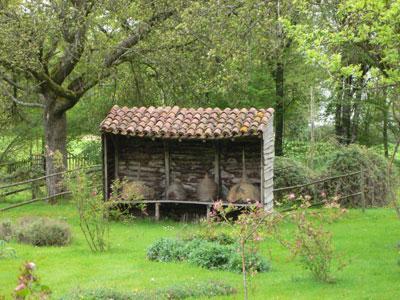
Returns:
<point x="19" y="102"/>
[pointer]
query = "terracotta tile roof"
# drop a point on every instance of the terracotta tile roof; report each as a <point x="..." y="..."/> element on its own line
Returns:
<point x="186" y="123"/>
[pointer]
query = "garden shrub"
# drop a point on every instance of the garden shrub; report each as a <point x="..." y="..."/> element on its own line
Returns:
<point x="178" y="291"/>
<point x="6" y="251"/>
<point x="218" y="237"/>
<point x="6" y="230"/>
<point x="166" y="249"/>
<point x="288" y="172"/>
<point x="352" y="159"/>
<point x="209" y="255"/>
<point x="43" y="232"/>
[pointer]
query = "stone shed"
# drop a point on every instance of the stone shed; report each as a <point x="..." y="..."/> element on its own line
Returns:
<point x="161" y="146"/>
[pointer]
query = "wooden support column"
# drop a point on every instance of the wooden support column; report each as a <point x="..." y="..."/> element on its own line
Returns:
<point x="208" y="211"/>
<point x="217" y="168"/>
<point x="116" y="157"/>
<point x="105" y="166"/>
<point x="267" y="170"/>
<point x="157" y="211"/>
<point x="167" y="167"/>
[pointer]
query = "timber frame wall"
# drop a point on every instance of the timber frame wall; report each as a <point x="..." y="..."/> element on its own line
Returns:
<point x="158" y="162"/>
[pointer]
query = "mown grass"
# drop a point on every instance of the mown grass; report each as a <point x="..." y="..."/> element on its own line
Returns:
<point x="367" y="240"/>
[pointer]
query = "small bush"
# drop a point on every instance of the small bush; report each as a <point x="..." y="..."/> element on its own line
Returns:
<point x="178" y="291"/>
<point x="5" y="251"/>
<point x="205" y="254"/>
<point x="166" y="250"/>
<point x="210" y="255"/>
<point x="43" y="232"/>
<point x="6" y="230"/>
<point x="254" y="263"/>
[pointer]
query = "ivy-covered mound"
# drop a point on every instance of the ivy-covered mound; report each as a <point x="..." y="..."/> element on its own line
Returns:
<point x="352" y="159"/>
<point x="288" y="172"/>
<point x="206" y="254"/>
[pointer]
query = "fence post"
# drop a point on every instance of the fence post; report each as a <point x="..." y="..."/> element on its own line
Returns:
<point x="362" y="187"/>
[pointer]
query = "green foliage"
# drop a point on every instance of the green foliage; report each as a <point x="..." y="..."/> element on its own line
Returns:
<point x="209" y="255"/>
<point x="178" y="291"/>
<point x="6" y="230"/>
<point x="29" y="286"/>
<point x="93" y="211"/>
<point x="43" y="232"/>
<point x="312" y="242"/>
<point x="222" y="238"/>
<point x="352" y="159"/>
<point x="5" y="251"/>
<point x="288" y="172"/>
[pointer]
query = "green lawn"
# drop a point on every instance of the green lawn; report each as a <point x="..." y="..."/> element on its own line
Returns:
<point x="368" y="240"/>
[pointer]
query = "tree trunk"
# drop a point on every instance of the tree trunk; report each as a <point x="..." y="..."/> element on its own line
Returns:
<point x="279" y="109"/>
<point x="385" y="130"/>
<point x="55" y="125"/>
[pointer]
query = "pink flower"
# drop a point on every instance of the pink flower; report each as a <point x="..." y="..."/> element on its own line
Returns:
<point x="292" y="196"/>
<point x="323" y="194"/>
<point x="30" y="266"/>
<point x="217" y="205"/>
<point x="19" y="287"/>
<point x="94" y="193"/>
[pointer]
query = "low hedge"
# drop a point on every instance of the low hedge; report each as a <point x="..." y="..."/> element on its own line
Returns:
<point x="209" y="255"/>
<point x="206" y="289"/>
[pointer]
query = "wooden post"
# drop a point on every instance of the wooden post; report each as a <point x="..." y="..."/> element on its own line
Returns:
<point x="268" y="166"/>
<point x="116" y="157"/>
<point x="105" y="166"/>
<point x="157" y="211"/>
<point x="217" y="168"/>
<point x="362" y="186"/>
<point x="167" y="167"/>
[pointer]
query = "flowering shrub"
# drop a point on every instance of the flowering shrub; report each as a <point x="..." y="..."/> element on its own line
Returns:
<point x="92" y="209"/>
<point x="248" y="229"/>
<point x="29" y="286"/>
<point x="311" y="242"/>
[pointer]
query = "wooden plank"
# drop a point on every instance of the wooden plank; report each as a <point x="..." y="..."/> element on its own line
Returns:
<point x="167" y="167"/>
<point x="33" y="200"/>
<point x="44" y="177"/>
<point x="183" y="202"/>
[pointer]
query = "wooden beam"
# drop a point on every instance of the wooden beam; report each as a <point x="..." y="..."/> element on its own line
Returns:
<point x="167" y="161"/>
<point x="217" y="167"/>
